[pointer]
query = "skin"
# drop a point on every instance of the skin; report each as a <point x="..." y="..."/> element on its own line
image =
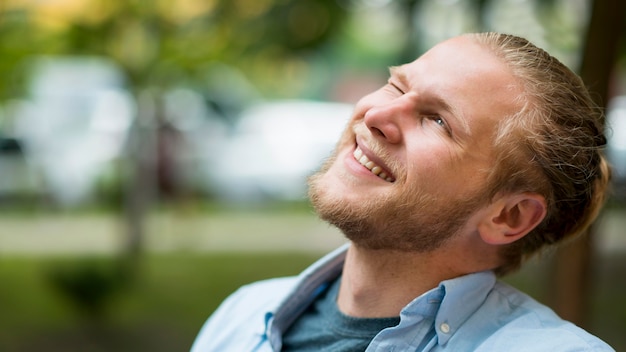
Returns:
<point x="431" y="129"/>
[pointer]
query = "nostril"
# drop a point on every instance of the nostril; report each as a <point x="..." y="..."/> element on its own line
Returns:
<point x="377" y="132"/>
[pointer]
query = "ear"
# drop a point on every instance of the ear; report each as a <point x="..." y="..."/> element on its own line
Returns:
<point x="511" y="217"/>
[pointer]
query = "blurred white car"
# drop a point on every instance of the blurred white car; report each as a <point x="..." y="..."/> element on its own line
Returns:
<point x="74" y="122"/>
<point x="274" y="147"/>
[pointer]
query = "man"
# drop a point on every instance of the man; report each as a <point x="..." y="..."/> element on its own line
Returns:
<point x="469" y="160"/>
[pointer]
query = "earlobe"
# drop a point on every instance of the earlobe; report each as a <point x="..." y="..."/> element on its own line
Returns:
<point x="512" y="217"/>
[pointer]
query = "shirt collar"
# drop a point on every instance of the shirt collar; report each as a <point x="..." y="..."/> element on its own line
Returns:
<point x="312" y="282"/>
<point x="452" y="302"/>
<point x="462" y="296"/>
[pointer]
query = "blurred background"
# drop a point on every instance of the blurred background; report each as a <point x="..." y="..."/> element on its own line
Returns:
<point x="153" y="154"/>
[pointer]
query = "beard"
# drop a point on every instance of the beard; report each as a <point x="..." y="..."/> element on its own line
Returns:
<point x="408" y="218"/>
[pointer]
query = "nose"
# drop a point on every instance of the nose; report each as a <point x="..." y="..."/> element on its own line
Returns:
<point x="386" y="120"/>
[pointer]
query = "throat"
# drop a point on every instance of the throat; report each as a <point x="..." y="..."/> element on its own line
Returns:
<point x="375" y="285"/>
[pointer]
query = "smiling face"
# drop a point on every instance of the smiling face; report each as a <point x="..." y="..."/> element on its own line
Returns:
<point x="410" y="169"/>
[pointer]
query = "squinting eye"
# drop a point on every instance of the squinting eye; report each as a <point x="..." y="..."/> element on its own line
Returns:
<point x="438" y="120"/>
<point x="397" y="88"/>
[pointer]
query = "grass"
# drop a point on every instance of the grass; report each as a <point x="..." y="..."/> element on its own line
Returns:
<point x="162" y="309"/>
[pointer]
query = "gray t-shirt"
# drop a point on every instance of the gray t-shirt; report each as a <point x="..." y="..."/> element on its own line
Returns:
<point x="322" y="327"/>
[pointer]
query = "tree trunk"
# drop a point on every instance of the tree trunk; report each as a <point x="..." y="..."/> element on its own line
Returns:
<point x="141" y="178"/>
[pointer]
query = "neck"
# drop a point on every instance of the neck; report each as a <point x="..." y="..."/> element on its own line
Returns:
<point x="379" y="283"/>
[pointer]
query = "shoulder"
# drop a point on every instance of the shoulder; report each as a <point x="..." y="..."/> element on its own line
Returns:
<point x="258" y="297"/>
<point x="243" y="314"/>
<point x="265" y="291"/>
<point x="525" y="324"/>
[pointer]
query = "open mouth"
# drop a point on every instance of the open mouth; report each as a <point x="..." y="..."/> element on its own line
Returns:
<point x="370" y="165"/>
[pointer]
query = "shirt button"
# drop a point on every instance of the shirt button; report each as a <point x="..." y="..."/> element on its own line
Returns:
<point x="445" y="328"/>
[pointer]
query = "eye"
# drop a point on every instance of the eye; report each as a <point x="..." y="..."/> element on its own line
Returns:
<point x="396" y="87"/>
<point x="441" y="123"/>
<point x="438" y="120"/>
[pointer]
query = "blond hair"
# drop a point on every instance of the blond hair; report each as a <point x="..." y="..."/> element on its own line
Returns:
<point x="553" y="146"/>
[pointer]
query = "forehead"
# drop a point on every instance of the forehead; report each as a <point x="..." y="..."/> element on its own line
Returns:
<point x="468" y="61"/>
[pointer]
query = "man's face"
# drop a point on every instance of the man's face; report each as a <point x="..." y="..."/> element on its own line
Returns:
<point x="411" y="166"/>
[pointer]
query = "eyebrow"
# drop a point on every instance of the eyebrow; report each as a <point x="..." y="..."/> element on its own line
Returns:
<point x="400" y="74"/>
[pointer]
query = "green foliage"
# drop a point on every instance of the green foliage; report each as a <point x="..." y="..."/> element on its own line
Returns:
<point x="164" y="42"/>
<point x="161" y="309"/>
<point x="90" y="283"/>
<point x="17" y="43"/>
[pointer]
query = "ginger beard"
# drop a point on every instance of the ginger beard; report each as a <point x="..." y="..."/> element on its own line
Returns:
<point x="408" y="218"/>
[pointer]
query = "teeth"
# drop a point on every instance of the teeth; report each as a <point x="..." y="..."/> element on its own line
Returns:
<point x="376" y="170"/>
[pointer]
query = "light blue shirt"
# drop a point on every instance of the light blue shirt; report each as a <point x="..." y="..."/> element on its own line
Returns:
<point x="469" y="313"/>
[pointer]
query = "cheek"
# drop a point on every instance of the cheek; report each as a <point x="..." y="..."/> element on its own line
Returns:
<point x="424" y="173"/>
<point x="436" y="168"/>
